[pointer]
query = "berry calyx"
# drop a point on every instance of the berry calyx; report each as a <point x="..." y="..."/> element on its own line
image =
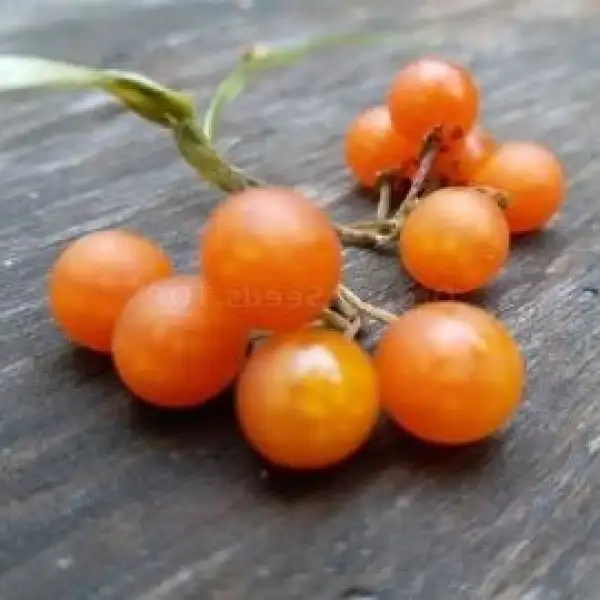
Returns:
<point x="457" y="162"/>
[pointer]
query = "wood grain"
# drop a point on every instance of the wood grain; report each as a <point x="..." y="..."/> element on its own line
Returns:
<point x="101" y="499"/>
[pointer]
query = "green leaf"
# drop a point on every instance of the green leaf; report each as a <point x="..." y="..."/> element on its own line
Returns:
<point x="148" y="99"/>
<point x="26" y="72"/>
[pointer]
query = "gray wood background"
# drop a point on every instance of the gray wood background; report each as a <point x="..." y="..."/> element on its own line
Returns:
<point x="101" y="500"/>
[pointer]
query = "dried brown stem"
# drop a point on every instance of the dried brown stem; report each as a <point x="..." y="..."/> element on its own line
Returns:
<point x="364" y="238"/>
<point x="333" y="319"/>
<point x="376" y="313"/>
<point x="428" y="154"/>
<point x="501" y="197"/>
<point x="385" y="196"/>
<point x="384" y="230"/>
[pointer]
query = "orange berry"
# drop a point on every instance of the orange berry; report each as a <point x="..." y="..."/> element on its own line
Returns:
<point x="532" y="177"/>
<point x="455" y="240"/>
<point x="273" y="256"/>
<point x="308" y="399"/>
<point x="373" y="147"/>
<point x="429" y="93"/>
<point x="93" y="279"/>
<point x="449" y="373"/>
<point x="457" y="162"/>
<point x="175" y="345"/>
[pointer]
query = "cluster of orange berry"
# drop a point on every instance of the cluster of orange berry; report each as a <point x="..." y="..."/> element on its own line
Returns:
<point x="456" y="240"/>
<point x="270" y="263"/>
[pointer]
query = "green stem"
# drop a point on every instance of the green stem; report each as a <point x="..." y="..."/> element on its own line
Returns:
<point x="226" y="92"/>
<point x="200" y="154"/>
<point x="262" y="57"/>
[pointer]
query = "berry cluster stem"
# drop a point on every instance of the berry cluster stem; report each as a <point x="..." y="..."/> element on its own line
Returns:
<point x="375" y="312"/>
<point x="384" y="230"/>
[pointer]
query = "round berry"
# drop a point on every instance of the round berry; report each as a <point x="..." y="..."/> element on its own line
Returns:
<point x="308" y="400"/>
<point x="373" y="147"/>
<point x="430" y="93"/>
<point x="175" y="345"/>
<point x="456" y="240"/>
<point x="449" y="373"/>
<point x="533" y="179"/>
<point x="95" y="276"/>
<point x="273" y="256"/>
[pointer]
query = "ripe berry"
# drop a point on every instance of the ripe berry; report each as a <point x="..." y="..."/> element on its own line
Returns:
<point x="273" y="256"/>
<point x="373" y="147"/>
<point x="308" y="399"/>
<point x="175" y="345"/>
<point x="456" y="240"/>
<point x="533" y="179"/>
<point x="429" y="93"/>
<point x="95" y="276"/>
<point x="449" y="373"/>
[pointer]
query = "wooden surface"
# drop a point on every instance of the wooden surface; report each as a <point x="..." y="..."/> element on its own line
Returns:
<point x="102" y="500"/>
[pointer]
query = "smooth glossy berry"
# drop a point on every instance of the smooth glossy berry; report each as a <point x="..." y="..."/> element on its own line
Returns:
<point x="175" y="345"/>
<point x="273" y="256"/>
<point x="450" y="373"/>
<point x="456" y="240"/>
<point x="429" y="93"/>
<point x="532" y="177"/>
<point x="95" y="276"/>
<point x="373" y="147"/>
<point x="308" y="400"/>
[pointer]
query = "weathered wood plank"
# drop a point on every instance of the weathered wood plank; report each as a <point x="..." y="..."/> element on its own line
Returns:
<point x="102" y="500"/>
